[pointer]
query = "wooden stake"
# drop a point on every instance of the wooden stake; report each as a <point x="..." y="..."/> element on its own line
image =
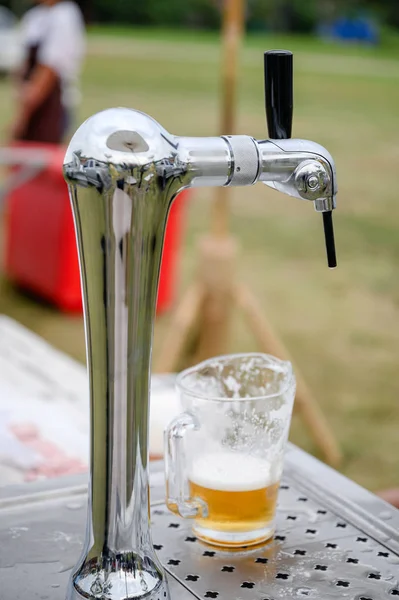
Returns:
<point x="217" y="305"/>
<point x="218" y="257"/>
<point x="183" y="321"/>
<point x="233" y="25"/>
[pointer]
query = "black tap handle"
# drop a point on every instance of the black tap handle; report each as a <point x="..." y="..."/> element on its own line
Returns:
<point x="279" y="93"/>
<point x="329" y="237"/>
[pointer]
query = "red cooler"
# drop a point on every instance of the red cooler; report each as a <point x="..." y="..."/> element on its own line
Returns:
<point x="41" y="255"/>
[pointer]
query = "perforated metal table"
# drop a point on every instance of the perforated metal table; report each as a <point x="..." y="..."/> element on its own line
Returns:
<point x="334" y="540"/>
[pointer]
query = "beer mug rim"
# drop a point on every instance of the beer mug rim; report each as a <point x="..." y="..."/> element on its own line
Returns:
<point x="273" y="360"/>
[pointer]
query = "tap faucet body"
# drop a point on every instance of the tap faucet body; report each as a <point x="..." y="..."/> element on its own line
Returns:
<point x="124" y="170"/>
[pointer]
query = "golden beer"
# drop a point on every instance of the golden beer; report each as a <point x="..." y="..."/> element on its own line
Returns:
<point x="240" y="495"/>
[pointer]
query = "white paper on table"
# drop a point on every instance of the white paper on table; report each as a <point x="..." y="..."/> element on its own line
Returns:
<point x="43" y="388"/>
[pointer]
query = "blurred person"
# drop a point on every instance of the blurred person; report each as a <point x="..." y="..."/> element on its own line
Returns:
<point x="53" y="35"/>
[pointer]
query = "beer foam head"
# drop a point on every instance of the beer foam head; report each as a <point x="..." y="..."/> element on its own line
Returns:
<point x="230" y="472"/>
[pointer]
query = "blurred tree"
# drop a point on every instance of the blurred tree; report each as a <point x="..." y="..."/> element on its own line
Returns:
<point x="388" y="10"/>
<point x="259" y="14"/>
<point x="120" y="11"/>
<point x="198" y="13"/>
<point x="18" y="7"/>
<point x="204" y="13"/>
<point x="279" y="15"/>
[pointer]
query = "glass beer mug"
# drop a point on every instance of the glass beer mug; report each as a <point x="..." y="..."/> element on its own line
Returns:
<point x="224" y="455"/>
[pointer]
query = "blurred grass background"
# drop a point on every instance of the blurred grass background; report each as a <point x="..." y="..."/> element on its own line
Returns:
<point x="342" y="326"/>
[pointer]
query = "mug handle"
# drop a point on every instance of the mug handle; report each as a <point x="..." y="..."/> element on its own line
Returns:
<point x="178" y="497"/>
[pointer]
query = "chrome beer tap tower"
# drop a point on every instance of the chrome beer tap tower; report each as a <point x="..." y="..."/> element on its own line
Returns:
<point x="124" y="171"/>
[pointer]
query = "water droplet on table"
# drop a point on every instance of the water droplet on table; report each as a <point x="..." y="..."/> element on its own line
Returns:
<point x="385" y="515"/>
<point x="74" y="505"/>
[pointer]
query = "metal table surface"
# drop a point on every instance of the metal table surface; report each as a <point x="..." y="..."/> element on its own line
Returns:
<point x="333" y="539"/>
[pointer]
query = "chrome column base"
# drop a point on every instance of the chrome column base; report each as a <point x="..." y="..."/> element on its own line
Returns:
<point x="124" y="576"/>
